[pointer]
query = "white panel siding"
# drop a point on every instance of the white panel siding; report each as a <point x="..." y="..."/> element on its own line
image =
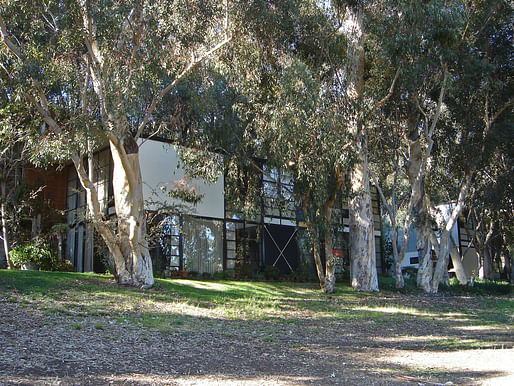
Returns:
<point x="159" y="167"/>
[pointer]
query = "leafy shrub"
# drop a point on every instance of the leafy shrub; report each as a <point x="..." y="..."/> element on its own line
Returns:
<point x="244" y="271"/>
<point x="218" y="275"/>
<point x="64" y="266"/>
<point x="481" y="287"/>
<point x="304" y="273"/>
<point x="229" y="274"/>
<point x="388" y="283"/>
<point x="30" y="253"/>
<point x="271" y="272"/>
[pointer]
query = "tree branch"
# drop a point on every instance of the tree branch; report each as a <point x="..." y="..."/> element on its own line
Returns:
<point x="194" y="62"/>
<point x="501" y="110"/>
<point x="15" y="49"/>
<point x="390" y="92"/>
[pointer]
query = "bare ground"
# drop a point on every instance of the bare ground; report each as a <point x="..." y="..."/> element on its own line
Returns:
<point x="48" y="346"/>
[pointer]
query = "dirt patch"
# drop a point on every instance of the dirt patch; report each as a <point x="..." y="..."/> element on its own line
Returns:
<point x="385" y="339"/>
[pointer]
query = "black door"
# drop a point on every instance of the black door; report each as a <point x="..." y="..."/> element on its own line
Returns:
<point x="280" y="247"/>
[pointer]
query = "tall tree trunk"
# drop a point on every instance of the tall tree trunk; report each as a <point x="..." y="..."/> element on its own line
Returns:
<point x="424" y="247"/>
<point x="362" y="237"/>
<point x="330" y="266"/>
<point x="483" y="250"/>
<point x="398" y="275"/>
<point x="326" y="275"/>
<point x="132" y="258"/>
<point x="3" y="213"/>
<point x="128" y="247"/>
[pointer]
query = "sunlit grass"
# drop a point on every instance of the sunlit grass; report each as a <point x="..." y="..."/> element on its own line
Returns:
<point x="84" y="295"/>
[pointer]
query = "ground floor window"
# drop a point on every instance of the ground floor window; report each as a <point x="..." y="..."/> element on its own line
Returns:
<point x="203" y="245"/>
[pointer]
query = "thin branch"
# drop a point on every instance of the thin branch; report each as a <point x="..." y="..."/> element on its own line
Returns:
<point x="439" y="102"/>
<point x="389" y="94"/>
<point x="45" y="114"/>
<point x="382" y="196"/>
<point x="15" y="49"/>
<point x="501" y="110"/>
<point x="121" y="37"/>
<point x="194" y="62"/>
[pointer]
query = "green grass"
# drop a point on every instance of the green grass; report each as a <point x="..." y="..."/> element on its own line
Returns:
<point x="176" y="303"/>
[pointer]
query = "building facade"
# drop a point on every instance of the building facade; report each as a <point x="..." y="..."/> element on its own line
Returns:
<point x="211" y="235"/>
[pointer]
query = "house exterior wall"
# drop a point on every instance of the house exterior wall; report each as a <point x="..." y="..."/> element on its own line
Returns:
<point x="159" y="163"/>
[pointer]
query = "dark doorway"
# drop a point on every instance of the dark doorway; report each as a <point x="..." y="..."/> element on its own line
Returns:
<point x="280" y="247"/>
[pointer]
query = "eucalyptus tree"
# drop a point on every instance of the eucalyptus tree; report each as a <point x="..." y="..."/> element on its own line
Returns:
<point x="96" y="72"/>
<point x="481" y="103"/>
<point x="478" y="105"/>
<point x="14" y="147"/>
<point x="443" y="95"/>
<point x="306" y="140"/>
<point x="288" y="117"/>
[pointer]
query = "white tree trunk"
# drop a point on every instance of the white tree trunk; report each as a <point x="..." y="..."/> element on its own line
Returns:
<point x="362" y="238"/>
<point x="132" y="258"/>
<point x="3" y="213"/>
<point x="330" y="266"/>
<point x="457" y="263"/>
<point x="128" y="246"/>
<point x="444" y="245"/>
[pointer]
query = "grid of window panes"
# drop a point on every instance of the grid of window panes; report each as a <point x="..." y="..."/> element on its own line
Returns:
<point x="231" y="243"/>
<point x="75" y="205"/>
<point x="102" y="170"/>
<point x="375" y="202"/>
<point x="278" y="194"/>
<point x="171" y="242"/>
<point x="465" y="235"/>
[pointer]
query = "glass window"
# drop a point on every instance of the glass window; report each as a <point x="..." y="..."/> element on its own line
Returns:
<point x="203" y="245"/>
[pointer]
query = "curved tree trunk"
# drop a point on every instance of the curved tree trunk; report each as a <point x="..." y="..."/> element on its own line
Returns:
<point x="128" y="246"/>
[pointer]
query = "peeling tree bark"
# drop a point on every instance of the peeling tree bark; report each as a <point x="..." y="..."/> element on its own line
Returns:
<point x="362" y="238"/>
<point x="134" y="266"/>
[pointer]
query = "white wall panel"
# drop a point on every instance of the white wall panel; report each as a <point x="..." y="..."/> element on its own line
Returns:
<point x="159" y="167"/>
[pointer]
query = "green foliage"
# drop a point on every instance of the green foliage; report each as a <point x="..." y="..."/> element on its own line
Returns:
<point x="229" y="274"/>
<point x="30" y="253"/>
<point x="271" y="272"/>
<point x="480" y="287"/>
<point x="388" y="254"/>
<point x="304" y="273"/>
<point x="388" y="283"/>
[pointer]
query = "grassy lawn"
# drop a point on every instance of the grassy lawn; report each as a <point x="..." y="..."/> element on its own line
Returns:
<point x="93" y="294"/>
<point x="294" y="319"/>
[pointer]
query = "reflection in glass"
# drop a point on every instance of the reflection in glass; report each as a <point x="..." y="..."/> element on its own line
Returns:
<point x="203" y="245"/>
